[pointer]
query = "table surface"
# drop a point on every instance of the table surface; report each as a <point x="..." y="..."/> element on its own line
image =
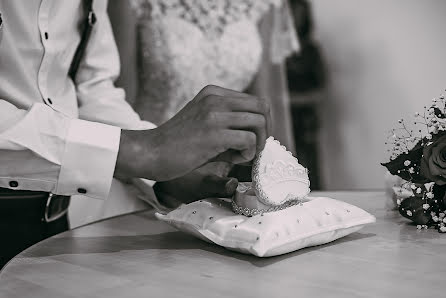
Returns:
<point x="137" y="256"/>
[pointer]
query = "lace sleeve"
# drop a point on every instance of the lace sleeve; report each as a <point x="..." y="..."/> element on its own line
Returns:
<point x="142" y="8"/>
<point x="283" y="37"/>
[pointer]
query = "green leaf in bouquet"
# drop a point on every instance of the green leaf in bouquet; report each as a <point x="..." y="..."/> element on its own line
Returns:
<point x="439" y="197"/>
<point x="397" y="166"/>
<point x="435" y="137"/>
<point x="439" y="113"/>
<point x="412" y="208"/>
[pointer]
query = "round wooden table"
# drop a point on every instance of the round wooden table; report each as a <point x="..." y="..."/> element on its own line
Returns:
<point x="137" y="256"/>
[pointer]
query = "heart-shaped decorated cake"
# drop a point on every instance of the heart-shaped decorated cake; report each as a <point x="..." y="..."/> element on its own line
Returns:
<point x="278" y="182"/>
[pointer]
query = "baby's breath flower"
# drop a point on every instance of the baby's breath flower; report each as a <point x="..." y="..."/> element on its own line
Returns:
<point x="435" y="130"/>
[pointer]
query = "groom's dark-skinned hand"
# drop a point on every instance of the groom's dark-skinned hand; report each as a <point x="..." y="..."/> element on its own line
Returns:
<point x="194" y="186"/>
<point x="217" y="125"/>
<point x="198" y="184"/>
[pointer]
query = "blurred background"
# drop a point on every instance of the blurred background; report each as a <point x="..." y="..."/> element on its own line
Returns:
<point x="362" y="66"/>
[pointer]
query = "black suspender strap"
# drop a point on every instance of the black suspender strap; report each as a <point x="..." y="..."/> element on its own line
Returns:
<point x="1" y="26"/>
<point x="88" y="27"/>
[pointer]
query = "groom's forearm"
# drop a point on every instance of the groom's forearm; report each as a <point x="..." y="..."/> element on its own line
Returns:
<point x="136" y="156"/>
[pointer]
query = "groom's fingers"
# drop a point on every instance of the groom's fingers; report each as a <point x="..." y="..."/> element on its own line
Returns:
<point x="213" y="186"/>
<point x="231" y="156"/>
<point x="241" y="141"/>
<point x="251" y="104"/>
<point x="216" y="93"/>
<point x="230" y="100"/>
<point x="244" y="121"/>
<point x="219" y="91"/>
<point x="238" y="146"/>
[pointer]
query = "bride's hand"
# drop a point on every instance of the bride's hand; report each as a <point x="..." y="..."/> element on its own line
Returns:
<point x="218" y="124"/>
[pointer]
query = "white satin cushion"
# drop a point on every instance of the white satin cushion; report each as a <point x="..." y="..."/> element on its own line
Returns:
<point x="318" y="221"/>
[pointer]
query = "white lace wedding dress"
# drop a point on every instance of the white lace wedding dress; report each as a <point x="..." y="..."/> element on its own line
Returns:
<point x="185" y="45"/>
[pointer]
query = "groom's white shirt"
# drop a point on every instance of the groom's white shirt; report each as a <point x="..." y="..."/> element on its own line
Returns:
<point x="57" y="135"/>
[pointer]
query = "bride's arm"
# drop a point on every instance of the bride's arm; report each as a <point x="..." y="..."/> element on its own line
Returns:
<point x="124" y="23"/>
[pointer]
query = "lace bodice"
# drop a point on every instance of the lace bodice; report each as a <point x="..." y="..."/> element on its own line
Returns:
<point x="211" y="16"/>
<point x="185" y="45"/>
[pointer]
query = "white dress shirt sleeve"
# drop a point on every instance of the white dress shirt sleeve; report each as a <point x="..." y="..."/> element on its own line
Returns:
<point x="44" y="150"/>
<point x="99" y="99"/>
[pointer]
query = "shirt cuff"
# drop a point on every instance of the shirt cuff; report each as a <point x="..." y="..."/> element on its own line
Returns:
<point x="143" y="125"/>
<point x="89" y="159"/>
<point x="148" y="195"/>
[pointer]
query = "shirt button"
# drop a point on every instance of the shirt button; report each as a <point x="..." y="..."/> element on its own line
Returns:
<point x="13" y="183"/>
<point x="82" y="190"/>
<point x="46" y="35"/>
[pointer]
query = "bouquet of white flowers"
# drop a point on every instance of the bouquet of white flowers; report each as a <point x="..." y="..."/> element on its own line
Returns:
<point x="418" y="156"/>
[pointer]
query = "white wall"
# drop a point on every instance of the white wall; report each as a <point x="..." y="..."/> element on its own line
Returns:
<point x="386" y="59"/>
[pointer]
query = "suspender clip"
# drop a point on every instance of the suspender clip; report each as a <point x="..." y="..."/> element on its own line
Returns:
<point x="91" y="18"/>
